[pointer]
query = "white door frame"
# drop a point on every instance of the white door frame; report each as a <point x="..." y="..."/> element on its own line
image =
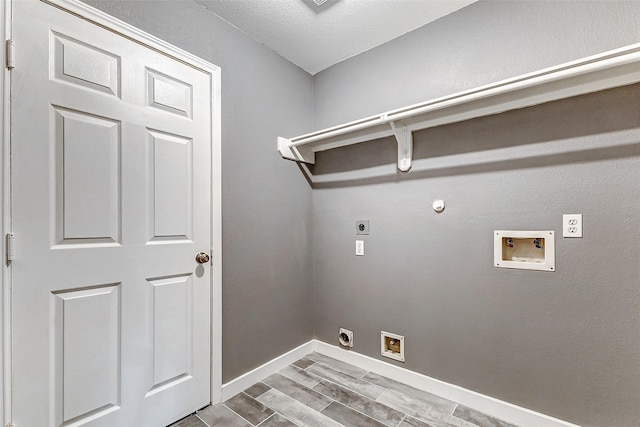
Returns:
<point x="5" y="218"/>
<point x="104" y="20"/>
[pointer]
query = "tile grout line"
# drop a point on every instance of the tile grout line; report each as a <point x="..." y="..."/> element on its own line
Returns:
<point x="265" y="420"/>
<point x="454" y="409"/>
<point x="335" y="368"/>
<point x="253" y="398"/>
<point x="327" y="405"/>
<point x="369" y="416"/>
<point x="360" y="412"/>
<point x="439" y="417"/>
<point x="362" y="395"/>
<point x="291" y="397"/>
<point x="347" y="387"/>
<point x="367" y="397"/>
<point x="301" y="368"/>
<point x="273" y="415"/>
<point x="332" y="400"/>
<point x="198" y="417"/>
<point x="405" y="415"/>
<point x="286" y="418"/>
<point x="276" y="412"/>
<point x="298" y="382"/>
<point x="305" y="386"/>
<point x="308" y="388"/>
<point x="430" y="404"/>
<point x="205" y="423"/>
<point x="243" y="418"/>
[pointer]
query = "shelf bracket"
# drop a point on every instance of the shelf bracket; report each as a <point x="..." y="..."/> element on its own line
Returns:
<point x="405" y="145"/>
<point x="296" y="153"/>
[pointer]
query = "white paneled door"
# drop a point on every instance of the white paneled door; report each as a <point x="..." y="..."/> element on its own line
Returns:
<point x="111" y="187"/>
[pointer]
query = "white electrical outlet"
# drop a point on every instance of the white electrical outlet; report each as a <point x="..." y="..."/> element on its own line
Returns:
<point x="360" y="247"/>
<point x="572" y="225"/>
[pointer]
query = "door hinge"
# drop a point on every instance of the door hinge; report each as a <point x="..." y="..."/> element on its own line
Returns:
<point x="11" y="247"/>
<point x="10" y="53"/>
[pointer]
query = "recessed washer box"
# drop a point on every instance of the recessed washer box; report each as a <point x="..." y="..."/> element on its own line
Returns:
<point x="392" y="345"/>
<point x="528" y="250"/>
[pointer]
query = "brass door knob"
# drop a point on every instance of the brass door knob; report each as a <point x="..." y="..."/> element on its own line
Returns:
<point x="202" y="258"/>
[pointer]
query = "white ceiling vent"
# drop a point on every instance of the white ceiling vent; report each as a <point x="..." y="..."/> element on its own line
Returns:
<point x="319" y="2"/>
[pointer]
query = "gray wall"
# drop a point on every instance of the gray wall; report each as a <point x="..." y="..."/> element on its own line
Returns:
<point x="267" y="289"/>
<point x="564" y="343"/>
<point x="479" y="44"/>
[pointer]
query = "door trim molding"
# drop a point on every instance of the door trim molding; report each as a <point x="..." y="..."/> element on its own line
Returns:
<point x="101" y="19"/>
<point x="5" y="215"/>
<point x="108" y="22"/>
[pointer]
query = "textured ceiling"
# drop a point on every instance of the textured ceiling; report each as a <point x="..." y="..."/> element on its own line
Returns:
<point x="316" y="37"/>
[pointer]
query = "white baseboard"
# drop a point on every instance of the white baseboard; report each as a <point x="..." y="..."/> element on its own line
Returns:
<point x="489" y="405"/>
<point x="236" y="385"/>
<point x="497" y="408"/>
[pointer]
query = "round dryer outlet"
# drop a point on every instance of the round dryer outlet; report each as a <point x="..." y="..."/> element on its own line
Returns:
<point x="345" y="337"/>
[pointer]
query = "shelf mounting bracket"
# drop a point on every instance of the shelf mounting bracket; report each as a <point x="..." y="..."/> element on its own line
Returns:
<point x="291" y="152"/>
<point x="405" y="145"/>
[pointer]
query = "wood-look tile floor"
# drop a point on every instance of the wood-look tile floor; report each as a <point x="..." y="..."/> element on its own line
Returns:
<point x="318" y="391"/>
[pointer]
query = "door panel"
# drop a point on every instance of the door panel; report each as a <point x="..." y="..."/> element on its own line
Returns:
<point x="82" y="316"/>
<point x="87" y="177"/>
<point x="169" y="94"/>
<point x="111" y="183"/>
<point x="78" y="63"/>
<point x="172" y="166"/>
<point x="171" y="314"/>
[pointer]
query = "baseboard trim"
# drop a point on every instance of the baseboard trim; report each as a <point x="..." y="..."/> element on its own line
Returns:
<point x="480" y="402"/>
<point x="236" y="385"/>
<point x="498" y="408"/>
